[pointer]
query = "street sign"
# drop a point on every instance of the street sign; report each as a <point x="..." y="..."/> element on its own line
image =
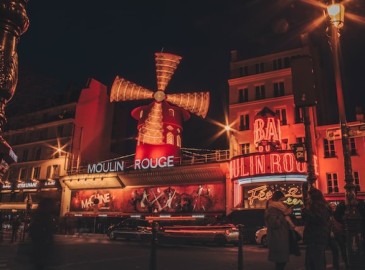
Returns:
<point x="357" y="130"/>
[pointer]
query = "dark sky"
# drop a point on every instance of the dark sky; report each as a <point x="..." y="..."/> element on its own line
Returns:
<point x="70" y="41"/>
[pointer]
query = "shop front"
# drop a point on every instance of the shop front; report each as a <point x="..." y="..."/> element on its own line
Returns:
<point x="187" y="192"/>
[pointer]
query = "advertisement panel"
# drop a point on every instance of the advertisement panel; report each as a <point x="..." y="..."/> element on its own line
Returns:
<point x="164" y="199"/>
<point x="258" y="195"/>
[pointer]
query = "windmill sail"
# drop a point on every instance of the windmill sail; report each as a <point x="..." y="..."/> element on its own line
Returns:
<point x="197" y="103"/>
<point x="123" y="90"/>
<point x="166" y="64"/>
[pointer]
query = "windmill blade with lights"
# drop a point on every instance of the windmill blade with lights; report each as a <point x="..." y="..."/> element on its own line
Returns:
<point x="160" y="122"/>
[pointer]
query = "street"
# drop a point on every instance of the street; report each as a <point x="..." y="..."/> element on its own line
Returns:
<point x="98" y="252"/>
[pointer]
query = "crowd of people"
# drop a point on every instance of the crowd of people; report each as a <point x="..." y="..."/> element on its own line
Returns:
<point x="323" y="228"/>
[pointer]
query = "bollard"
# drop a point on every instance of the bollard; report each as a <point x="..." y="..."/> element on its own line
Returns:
<point x="153" y="259"/>
<point x="240" y="247"/>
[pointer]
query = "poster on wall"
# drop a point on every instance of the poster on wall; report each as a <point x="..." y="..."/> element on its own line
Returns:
<point x="258" y="195"/>
<point x="164" y="199"/>
<point x="107" y="200"/>
<point x="176" y="199"/>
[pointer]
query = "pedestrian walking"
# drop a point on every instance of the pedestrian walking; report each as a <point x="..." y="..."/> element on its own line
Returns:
<point x="278" y="223"/>
<point x="41" y="231"/>
<point x="316" y="217"/>
<point x="15" y="223"/>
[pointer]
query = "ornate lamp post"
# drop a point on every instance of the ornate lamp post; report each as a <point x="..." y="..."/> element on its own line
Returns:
<point x="13" y="23"/>
<point x="354" y="237"/>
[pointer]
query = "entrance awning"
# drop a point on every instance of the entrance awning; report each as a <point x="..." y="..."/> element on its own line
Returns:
<point x="192" y="174"/>
<point x="92" y="181"/>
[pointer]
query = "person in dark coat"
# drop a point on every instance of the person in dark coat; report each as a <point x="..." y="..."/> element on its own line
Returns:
<point x="278" y="225"/>
<point x="15" y="224"/>
<point x="316" y="217"/>
<point x="41" y="231"/>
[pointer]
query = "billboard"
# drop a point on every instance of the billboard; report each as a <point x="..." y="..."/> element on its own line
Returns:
<point x="207" y="198"/>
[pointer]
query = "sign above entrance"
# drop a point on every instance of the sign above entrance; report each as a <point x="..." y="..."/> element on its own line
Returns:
<point x="139" y="164"/>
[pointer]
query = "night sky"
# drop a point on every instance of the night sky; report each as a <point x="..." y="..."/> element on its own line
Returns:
<point x="70" y="41"/>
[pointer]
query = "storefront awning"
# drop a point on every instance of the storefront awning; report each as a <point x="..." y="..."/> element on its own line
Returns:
<point x="192" y="174"/>
<point x="92" y="181"/>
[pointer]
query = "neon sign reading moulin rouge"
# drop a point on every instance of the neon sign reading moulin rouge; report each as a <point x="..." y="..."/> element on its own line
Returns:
<point x="139" y="164"/>
<point x="266" y="163"/>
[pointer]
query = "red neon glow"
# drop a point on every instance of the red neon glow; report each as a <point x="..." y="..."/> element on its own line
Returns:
<point x="264" y="164"/>
<point x="266" y="130"/>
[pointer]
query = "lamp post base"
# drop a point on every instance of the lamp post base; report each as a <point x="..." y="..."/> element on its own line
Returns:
<point x="354" y="232"/>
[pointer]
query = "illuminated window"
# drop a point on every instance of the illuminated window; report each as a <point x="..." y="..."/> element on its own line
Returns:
<point x="245" y="148"/>
<point x="357" y="181"/>
<point x="170" y="138"/>
<point x="49" y="172"/>
<point x="178" y="140"/>
<point x="244" y="122"/>
<point x="36" y="172"/>
<point x="56" y="171"/>
<point x="243" y="95"/>
<point x="22" y="174"/>
<point x="279" y="89"/>
<point x="332" y="182"/>
<point x="329" y="148"/>
<point x="171" y="112"/>
<point x="282" y="115"/>
<point x="353" y="147"/>
<point x="260" y="91"/>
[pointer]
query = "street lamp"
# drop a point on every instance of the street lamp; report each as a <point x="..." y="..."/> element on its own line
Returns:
<point x="354" y="237"/>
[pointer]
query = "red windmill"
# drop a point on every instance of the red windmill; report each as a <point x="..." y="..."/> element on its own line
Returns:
<point x="160" y="123"/>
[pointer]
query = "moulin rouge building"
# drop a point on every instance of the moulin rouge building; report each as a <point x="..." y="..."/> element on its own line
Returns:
<point x="163" y="179"/>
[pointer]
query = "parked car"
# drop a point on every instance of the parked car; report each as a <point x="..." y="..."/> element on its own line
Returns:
<point x="131" y="228"/>
<point x="261" y="234"/>
<point x="251" y="219"/>
<point x="219" y="234"/>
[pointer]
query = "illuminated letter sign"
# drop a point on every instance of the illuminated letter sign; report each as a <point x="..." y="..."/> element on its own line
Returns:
<point x="105" y="167"/>
<point x="267" y="132"/>
<point x="152" y="163"/>
<point x="283" y="162"/>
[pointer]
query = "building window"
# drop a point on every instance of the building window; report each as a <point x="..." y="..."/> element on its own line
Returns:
<point x="244" y="122"/>
<point x="286" y="62"/>
<point x="25" y="155"/>
<point x="37" y="154"/>
<point x="244" y="71"/>
<point x="332" y="182"/>
<point x="243" y="95"/>
<point x="56" y="171"/>
<point x="245" y="148"/>
<point x="329" y="148"/>
<point x="353" y="151"/>
<point x="260" y="91"/>
<point x="170" y="138"/>
<point x="60" y="131"/>
<point x="298" y="115"/>
<point x="279" y="89"/>
<point x="43" y="134"/>
<point x="282" y="115"/>
<point x="36" y="172"/>
<point x="22" y="174"/>
<point x="171" y="112"/>
<point x="300" y="140"/>
<point x="357" y="181"/>
<point x="178" y="141"/>
<point x="49" y="172"/>
<point x="277" y="64"/>
<point x="260" y="68"/>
